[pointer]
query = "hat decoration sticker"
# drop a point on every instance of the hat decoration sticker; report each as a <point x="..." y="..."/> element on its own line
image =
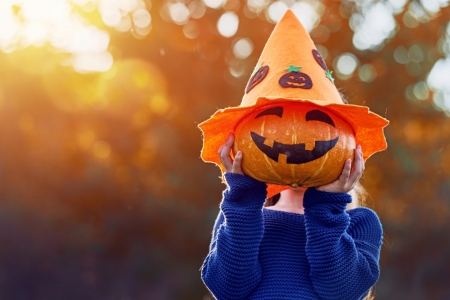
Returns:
<point x="292" y="126"/>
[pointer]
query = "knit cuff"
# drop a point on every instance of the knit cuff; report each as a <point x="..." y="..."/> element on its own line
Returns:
<point x="313" y="196"/>
<point x="243" y="189"/>
<point x="236" y="181"/>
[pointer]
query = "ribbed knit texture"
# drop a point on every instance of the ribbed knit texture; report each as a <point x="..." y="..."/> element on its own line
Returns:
<point x="258" y="253"/>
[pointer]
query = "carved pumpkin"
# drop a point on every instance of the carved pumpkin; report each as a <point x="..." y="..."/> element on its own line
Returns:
<point x="296" y="144"/>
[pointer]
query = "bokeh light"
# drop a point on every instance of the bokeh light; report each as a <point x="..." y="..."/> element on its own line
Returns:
<point x="257" y="6"/>
<point x="243" y="48"/>
<point x="25" y="23"/>
<point x="417" y="12"/>
<point x="308" y="14"/>
<point x="367" y="73"/>
<point x="179" y="13"/>
<point x="401" y="55"/>
<point x="320" y="34"/>
<point x="322" y="50"/>
<point x="410" y="21"/>
<point x="276" y="11"/>
<point x="345" y="65"/>
<point x="236" y="68"/>
<point x="142" y="18"/>
<point x="98" y="62"/>
<point x="438" y="77"/>
<point x="397" y="5"/>
<point x="101" y="149"/>
<point x="421" y="91"/>
<point x="191" y="29"/>
<point x="433" y="6"/>
<point x="159" y="104"/>
<point x="228" y="24"/>
<point x="415" y="54"/>
<point x="438" y="82"/>
<point x="197" y="9"/>
<point x="372" y="26"/>
<point x="214" y="3"/>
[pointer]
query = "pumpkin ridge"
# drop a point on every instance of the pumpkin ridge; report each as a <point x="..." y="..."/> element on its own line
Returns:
<point x="247" y="171"/>
<point x="320" y="169"/>
<point x="294" y="141"/>
<point x="262" y="128"/>
<point x="303" y="182"/>
<point x="268" y="163"/>
<point x="271" y="169"/>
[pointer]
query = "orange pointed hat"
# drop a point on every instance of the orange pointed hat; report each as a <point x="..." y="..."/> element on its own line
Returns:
<point x="290" y="45"/>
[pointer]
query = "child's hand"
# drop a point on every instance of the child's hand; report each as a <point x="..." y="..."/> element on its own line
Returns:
<point x="224" y="154"/>
<point x="349" y="177"/>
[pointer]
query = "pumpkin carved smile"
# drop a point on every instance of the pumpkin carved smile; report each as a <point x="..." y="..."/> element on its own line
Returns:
<point x="296" y="154"/>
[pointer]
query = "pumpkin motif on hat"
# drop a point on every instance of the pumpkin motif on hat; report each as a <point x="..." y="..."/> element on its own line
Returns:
<point x="292" y="125"/>
<point x="258" y="76"/>
<point x="295" y="79"/>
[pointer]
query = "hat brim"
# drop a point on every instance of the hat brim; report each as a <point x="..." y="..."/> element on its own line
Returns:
<point x="367" y="126"/>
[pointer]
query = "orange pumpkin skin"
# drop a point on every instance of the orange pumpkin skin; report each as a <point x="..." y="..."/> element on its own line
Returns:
<point x="270" y="137"/>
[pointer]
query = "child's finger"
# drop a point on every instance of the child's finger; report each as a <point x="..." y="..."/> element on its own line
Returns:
<point x="346" y="172"/>
<point x="362" y="159"/>
<point x="237" y="163"/>
<point x="219" y="152"/>
<point x="358" y="166"/>
<point x="226" y="160"/>
<point x="224" y="153"/>
<point x="230" y="140"/>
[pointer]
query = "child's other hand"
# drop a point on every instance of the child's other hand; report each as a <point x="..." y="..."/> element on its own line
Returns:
<point x="224" y="154"/>
<point x="349" y="177"/>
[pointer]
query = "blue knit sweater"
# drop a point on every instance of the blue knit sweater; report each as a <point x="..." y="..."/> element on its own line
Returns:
<point x="258" y="253"/>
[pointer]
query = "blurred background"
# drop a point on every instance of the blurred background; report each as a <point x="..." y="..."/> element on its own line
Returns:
<point x="102" y="191"/>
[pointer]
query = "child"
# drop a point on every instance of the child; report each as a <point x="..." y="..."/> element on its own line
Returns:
<point x="307" y="246"/>
<point x="310" y="244"/>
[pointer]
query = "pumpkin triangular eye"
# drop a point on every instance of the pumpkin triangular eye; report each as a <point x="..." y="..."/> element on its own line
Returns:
<point x="318" y="115"/>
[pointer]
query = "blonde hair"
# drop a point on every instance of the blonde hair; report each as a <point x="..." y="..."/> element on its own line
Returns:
<point x="359" y="196"/>
<point x="370" y="295"/>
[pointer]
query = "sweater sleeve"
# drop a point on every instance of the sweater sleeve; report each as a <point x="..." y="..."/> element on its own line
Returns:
<point x="231" y="270"/>
<point x="343" y="249"/>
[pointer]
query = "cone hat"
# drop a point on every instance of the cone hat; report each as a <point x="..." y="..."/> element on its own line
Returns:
<point x="291" y="69"/>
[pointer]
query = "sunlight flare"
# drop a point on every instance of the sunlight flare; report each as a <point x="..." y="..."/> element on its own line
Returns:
<point x="56" y="24"/>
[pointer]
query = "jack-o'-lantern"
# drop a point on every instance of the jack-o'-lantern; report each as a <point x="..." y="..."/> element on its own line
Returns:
<point x="292" y="125"/>
<point x="294" y="144"/>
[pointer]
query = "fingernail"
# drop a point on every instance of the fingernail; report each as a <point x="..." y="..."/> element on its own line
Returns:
<point x="239" y="153"/>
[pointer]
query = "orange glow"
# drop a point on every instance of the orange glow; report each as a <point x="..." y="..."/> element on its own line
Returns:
<point x="57" y="23"/>
<point x="101" y="149"/>
<point x="103" y="194"/>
